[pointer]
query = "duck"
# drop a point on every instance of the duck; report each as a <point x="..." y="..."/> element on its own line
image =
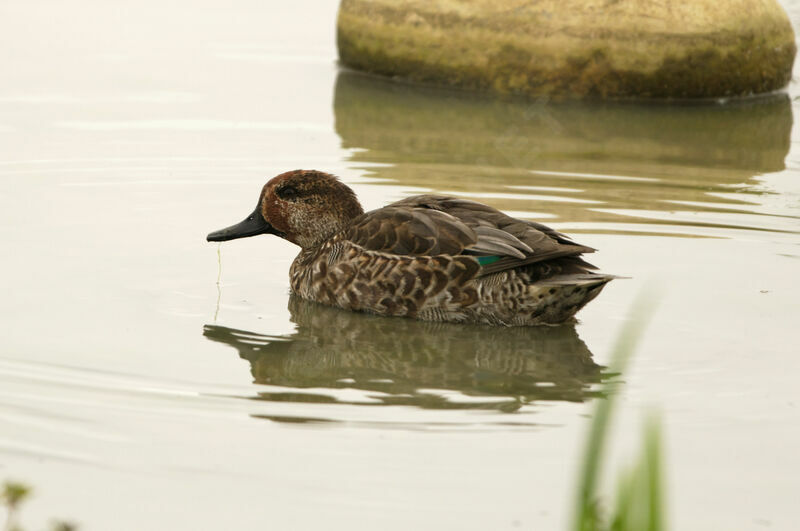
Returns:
<point x="429" y="257"/>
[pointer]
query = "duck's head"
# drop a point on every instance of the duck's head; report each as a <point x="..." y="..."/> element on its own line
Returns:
<point x="305" y="207"/>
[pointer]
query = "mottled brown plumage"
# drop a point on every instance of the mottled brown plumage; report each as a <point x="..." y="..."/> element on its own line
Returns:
<point x="431" y="257"/>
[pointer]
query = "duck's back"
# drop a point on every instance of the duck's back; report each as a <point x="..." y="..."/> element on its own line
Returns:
<point x="440" y="258"/>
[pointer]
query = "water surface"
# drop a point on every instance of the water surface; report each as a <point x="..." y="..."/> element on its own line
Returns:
<point x="149" y="379"/>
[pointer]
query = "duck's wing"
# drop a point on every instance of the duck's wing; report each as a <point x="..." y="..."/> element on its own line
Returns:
<point x="428" y="225"/>
<point x="544" y="243"/>
<point x="412" y="231"/>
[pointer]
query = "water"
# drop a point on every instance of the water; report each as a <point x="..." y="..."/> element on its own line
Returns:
<point x="150" y="380"/>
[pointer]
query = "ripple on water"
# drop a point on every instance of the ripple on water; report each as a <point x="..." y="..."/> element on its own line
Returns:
<point x="602" y="168"/>
<point x="597" y="165"/>
<point x="694" y="172"/>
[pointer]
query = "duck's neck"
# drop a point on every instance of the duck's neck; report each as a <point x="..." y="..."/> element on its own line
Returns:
<point x="320" y="227"/>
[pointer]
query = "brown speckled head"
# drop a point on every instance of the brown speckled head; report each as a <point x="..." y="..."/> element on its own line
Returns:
<point x="308" y="206"/>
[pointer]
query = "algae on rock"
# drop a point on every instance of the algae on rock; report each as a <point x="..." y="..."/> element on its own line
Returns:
<point x="574" y="48"/>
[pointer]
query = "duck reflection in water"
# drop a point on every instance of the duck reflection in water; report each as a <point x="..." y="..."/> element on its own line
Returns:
<point x="409" y="362"/>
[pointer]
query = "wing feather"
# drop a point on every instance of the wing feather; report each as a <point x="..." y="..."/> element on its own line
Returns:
<point x="429" y="225"/>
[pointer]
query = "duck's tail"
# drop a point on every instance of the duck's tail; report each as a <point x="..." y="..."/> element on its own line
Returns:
<point x="560" y="297"/>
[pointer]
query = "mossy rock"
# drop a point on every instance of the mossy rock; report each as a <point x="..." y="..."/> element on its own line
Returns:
<point x="574" y="48"/>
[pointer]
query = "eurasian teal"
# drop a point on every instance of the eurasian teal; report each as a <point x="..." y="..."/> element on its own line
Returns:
<point x="431" y="257"/>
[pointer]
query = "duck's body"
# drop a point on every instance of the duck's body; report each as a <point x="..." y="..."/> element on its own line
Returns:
<point x="430" y="257"/>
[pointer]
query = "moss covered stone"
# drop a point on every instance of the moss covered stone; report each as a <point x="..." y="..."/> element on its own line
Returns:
<point x="574" y="48"/>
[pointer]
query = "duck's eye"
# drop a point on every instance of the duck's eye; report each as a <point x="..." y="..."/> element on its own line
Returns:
<point x="289" y="193"/>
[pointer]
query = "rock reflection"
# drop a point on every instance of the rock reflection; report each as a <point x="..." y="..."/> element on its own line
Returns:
<point x="461" y="143"/>
<point x="407" y="362"/>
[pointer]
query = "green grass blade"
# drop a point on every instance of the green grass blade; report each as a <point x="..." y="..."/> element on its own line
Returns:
<point x="587" y="512"/>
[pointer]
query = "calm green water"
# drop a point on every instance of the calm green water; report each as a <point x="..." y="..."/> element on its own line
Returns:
<point x="150" y="380"/>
